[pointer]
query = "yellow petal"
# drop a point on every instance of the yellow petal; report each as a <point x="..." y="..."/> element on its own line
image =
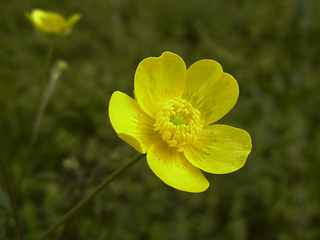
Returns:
<point x="131" y="123"/>
<point x="51" y="22"/>
<point x="157" y="79"/>
<point x="220" y="149"/>
<point x="72" y="20"/>
<point x="173" y="169"/>
<point x="210" y="90"/>
<point x="48" y="22"/>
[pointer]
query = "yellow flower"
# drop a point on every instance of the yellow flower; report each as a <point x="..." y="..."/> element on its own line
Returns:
<point x="52" y="23"/>
<point x="171" y="119"/>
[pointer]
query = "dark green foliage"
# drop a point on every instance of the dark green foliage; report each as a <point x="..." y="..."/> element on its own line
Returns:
<point x="271" y="48"/>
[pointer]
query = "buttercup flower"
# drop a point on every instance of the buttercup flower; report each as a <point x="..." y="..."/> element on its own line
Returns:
<point x="171" y="116"/>
<point x="52" y="23"/>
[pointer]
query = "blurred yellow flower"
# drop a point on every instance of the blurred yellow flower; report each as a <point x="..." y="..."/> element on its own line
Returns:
<point x="171" y="119"/>
<point x="52" y="23"/>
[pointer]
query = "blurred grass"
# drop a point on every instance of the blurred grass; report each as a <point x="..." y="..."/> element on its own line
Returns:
<point x="270" y="47"/>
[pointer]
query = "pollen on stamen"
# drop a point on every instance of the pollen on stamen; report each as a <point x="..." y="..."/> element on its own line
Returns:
<point x="166" y="135"/>
<point x="172" y="143"/>
<point x="178" y="123"/>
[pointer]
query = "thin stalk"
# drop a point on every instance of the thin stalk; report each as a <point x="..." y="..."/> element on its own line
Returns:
<point x="46" y="94"/>
<point x="95" y="192"/>
<point x="12" y="198"/>
<point x="49" y="57"/>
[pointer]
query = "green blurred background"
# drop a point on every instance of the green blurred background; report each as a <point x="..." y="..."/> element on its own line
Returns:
<point x="271" y="48"/>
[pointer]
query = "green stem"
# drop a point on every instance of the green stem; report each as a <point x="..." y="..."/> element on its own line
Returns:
<point x="95" y="192"/>
<point x="46" y="94"/>
<point x="51" y="47"/>
<point x="12" y="198"/>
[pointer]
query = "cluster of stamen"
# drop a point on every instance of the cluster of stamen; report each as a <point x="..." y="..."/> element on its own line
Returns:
<point x="178" y="123"/>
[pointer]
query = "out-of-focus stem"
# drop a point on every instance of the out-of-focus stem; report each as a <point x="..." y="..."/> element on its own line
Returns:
<point x="46" y="94"/>
<point x="95" y="192"/>
<point x="12" y="198"/>
<point x="54" y="75"/>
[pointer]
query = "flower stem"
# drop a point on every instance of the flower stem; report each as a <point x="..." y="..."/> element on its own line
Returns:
<point x="12" y="198"/>
<point x="95" y="192"/>
<point x="46" y="94"/>
<point x="51" y="47"/>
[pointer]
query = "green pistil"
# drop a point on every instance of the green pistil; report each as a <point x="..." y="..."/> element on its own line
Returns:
<point x="177" y="120"/>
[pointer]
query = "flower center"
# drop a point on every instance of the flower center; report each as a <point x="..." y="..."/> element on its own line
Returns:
<point x="178" y="123"/>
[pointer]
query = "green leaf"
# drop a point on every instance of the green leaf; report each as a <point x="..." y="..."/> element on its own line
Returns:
<point x="4" y="202"/>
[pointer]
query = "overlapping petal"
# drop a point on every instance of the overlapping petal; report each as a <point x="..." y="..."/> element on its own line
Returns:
<point x="131" y="123"/>
<point x="72" y="20"/>
<point x="174" y="169"/>
<point x="220" y="149"/>
<point x="210" y="90"/>
<point x="52" y="23"/>
<point x="159" y="78"/>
